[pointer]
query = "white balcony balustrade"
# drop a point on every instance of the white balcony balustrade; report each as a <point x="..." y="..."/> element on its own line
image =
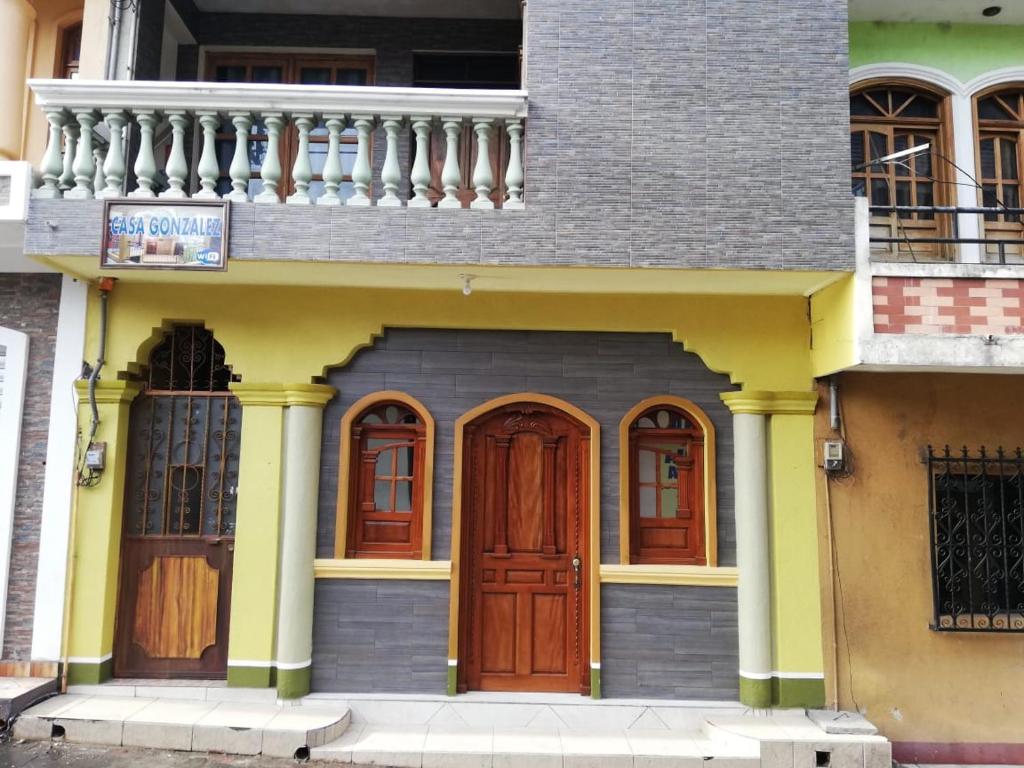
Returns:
<point x="283" y="144"/>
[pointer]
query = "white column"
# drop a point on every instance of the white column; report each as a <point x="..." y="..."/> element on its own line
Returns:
<point x="240" y="171"/>
<point x="67" y="177"/>
<point x="451" y="175"/>
<point x="114" y="165"/>
<point x="420" y="176"/>
<point x="483" y="179"/>
<point x="750" y="473"/>
<point x="208" y="168"/>
<point x="333" y="175"/>
<point x="145" y="161"/>
<point x="177" y="166"/>
<point x="270" y="172"/>
<point x="302" y="173"/>
<point x="52" y="165"/>
<point x="514" y="174"/>
<point x="12" y="401"/>
<point x="48" y="616"/>
<point x="99" y="179"/>
<point x="84" y="166"/>
<point x="362" y="175"/>
<point x="966" y="194"/>
<point x="391" y="173"/>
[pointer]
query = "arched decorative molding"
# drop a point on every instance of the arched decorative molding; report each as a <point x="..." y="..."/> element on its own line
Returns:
<point x="710" y="482"/>
<point x="353" y="413"/>
<point x="994" y="79"/>
<point x="900" y="70"/>
<point x="593" y="519"/>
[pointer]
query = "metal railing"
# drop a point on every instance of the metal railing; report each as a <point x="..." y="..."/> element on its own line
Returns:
<point x="912" y="242"/>
<point x="976" y="513"/>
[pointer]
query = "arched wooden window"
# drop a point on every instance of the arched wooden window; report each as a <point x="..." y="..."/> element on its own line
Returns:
<point x="666" y="486"/>
<point x="886" y="118"/>
<point x="387" y="480"/>
<point x="1000" y="137"/>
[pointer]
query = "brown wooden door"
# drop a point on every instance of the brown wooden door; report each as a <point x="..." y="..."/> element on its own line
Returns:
<point x="524" y="557"/>
<point x="179" y="515"/>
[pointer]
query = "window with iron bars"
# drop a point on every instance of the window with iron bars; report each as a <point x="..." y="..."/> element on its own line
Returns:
<point x="976" y="511"/>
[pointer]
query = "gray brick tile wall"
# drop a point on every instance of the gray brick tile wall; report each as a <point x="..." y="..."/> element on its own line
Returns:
<point x="662" y="133"/>
<point x="29" y="303"/>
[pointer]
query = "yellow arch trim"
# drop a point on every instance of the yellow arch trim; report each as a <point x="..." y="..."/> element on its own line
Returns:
<point x="356" y="409"/>
<point x="593" y="519"/>
<point x="710" y="482"/>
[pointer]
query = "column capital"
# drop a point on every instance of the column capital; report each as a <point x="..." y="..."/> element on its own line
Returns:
<point x="109" y="392"/>
<point x="282" y="395"/>
<point x="770" y="402"/>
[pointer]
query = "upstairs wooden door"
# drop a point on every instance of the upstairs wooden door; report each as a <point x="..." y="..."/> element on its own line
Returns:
<point x="524" y="593"/>
<point x="179" y="514"/>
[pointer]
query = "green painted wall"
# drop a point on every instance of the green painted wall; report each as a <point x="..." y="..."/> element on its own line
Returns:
<point x="963" y="50"/>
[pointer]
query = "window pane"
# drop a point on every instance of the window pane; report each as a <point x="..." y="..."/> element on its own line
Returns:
<point x="231" y="73"/>
<point x="903" y="196"/>
<point x="857" y="149"/>
<point x="921" y="106"/>
<point x="879" y="192"/>
<point x="403" y="496"/>
<point x="318" y="156"/>
<point x="1008" y="156"/>
<point x="405" y="455"/>
<point x="925" y="196"/>
<point x="989" y="200"/>
<point x="382" y="495"/>
<point x="669" y="502"/>
<point x="859" y="188"/>
<point x="267" y="74"/>
<point x="385" y="463"/>
<point x="990" y="109"/>
<point x="350" y="77"/>
<point x="923" y="161"/>
<point x="861" y="107"/>
<point x="225" y="150"/>
<point x="646" y="461"/>
<point x="1011" y="199"/>
<point x="315" y="76"/>
<point x="988" y="158"/>
<point x="648" y="501"/>
<point x="879" y="145"/>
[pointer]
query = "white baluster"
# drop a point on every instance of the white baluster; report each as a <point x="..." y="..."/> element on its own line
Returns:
<point x="145" y="162"/>
<point x="177" y="167"/>
<point x="208" y="168"/>
<point x="114" y="166"/>
<point x="391" y="173"/>
<point x="361" y="173"/>
<point x="67" y="177"/>
<point x="333" y="173"/>
<point x="302" y="173"/>
<point x="84" y="167"/>
<point x="270" y="173"/>
<point x="99" y="181"/>
<point x="51" y="166"/>
<point x="240" y="171"/>
<point x="514" y="173"/>
<point x="420" y="176"/>
<point x="451" y="176"/>
<point x="483" y="179"/>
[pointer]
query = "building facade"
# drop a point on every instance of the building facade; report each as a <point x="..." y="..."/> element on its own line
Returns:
<point x="503" y="387"/>
<point x="921" y="545"/>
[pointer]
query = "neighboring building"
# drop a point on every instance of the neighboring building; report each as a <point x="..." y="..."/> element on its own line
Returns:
<point x="921" y="546"/>
<point x="42" y="318"/>
<point x="507" y="384"/>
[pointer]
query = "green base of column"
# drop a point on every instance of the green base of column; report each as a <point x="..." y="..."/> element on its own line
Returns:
<point x="595" y="682"/>
<point x="90" y="674"/>
<point x="251" y="677"/>
<point x="755" y="693"/>
<point x="806" y="693"/>
<point x="453" y="679"/>
<point x="293" y="683"/>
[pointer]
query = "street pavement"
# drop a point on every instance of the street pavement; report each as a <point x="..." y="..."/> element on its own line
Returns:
<point x="53" y="754"/>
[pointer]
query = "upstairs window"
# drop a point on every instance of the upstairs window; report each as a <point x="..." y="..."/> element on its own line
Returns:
<point x="885" y="119"/>
<point x="666" y="487"/>
<point x="976" y="506"/>
<point x="70" y="52"/>
<point x="1000" y="116"/>
<point x="386" y="473"/>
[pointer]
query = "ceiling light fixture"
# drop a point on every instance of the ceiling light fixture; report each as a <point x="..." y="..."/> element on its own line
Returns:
<point x="992" y="10"/>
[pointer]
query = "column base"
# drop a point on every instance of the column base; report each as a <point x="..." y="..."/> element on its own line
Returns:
<point x="293" y="683"/>
<point x="756" y="693"/>
<point x="804" y="693"/>
<point x="250" y="677"/>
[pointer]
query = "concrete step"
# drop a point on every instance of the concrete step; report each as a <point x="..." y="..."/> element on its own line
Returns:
<point x="192" y="690"/>
<point x="182" y="724"/>
<point x="534" y="747"/>
<point x="18" y="693"/>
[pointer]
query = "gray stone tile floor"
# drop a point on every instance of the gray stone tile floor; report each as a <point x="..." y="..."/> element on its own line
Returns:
<point x="47" y="754"/>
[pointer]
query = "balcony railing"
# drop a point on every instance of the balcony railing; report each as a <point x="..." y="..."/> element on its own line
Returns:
<point x="934" y="233"/>
<point x="112" y="138"/>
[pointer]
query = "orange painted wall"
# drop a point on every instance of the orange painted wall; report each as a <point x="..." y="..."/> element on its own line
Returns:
<point x="914" y="684"/>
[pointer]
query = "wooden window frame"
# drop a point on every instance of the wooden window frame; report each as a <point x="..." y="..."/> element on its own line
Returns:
<point x="1002" y="129"/>
<point x="943" y="191"/>
<point x="351" y="479"/>
<point x="291" y="64"/>
<point x="705" y="489"/>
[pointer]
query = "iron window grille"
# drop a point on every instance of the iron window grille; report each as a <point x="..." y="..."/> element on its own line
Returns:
<point x="976" y="516"/>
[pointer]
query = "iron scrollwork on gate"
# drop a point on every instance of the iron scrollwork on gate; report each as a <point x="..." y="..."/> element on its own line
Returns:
<point x="184" y="441"/>
<point x="976" y="510"/>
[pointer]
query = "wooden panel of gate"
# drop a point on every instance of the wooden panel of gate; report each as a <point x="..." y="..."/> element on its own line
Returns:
<point x="523" y="624"/>
<point x="179" y="514"/>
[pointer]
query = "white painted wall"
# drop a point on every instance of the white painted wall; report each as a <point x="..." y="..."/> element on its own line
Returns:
<point x="60" y="460"/>
<point x="12" y="401"/>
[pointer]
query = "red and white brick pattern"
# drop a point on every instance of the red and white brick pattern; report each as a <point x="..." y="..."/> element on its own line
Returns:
<point x="943" y="306"/>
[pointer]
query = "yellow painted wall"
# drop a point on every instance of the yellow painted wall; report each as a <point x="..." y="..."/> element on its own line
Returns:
<point x="914" y="684"/>
<point x="289" y="335"/>
<point x="833" y="329"/>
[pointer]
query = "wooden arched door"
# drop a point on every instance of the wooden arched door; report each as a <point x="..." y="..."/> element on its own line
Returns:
<point x="179" y="514"/>
<point x="525" y="495"/>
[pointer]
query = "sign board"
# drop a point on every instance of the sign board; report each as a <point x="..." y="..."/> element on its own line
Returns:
<point x="165" y="234"/>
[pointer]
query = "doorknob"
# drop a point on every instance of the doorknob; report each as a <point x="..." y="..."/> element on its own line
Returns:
<point x="577" y="566"/>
